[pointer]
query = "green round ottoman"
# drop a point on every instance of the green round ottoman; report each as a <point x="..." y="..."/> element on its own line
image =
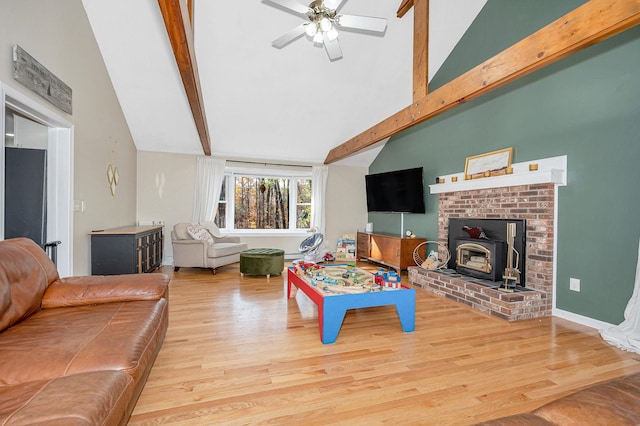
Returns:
<point x="261" y="261"/>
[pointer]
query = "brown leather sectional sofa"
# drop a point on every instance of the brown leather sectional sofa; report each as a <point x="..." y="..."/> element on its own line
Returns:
<point x="616" y="402"/>
<point x="74" y="351"/>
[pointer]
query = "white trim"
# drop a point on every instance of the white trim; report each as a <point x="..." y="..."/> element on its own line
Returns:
<point x="550" y="170"/>
<point x="580" y="319"/>
<point x="270" y="172"/>
<point x="554" y="278"/>
<point x="60" y="174"/>
<point x="270" y="233"/>
<point x="2" y="124"/>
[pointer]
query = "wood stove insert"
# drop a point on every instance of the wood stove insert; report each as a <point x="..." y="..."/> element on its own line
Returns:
<point x="485" y="257"/>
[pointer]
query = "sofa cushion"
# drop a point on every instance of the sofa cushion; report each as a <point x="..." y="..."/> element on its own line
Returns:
<point x="615" y="402"/>
<point x="199" y="232"/>
<point x="60" y="342"/>
<point x="95" y="398"/>
<point x="526" y="419"/>
<point x="76" y="291"/>
<point x="226" y="249"/>
<point x="25" y="273"/>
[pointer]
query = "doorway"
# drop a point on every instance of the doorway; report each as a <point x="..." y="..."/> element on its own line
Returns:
<point x="25" y="174"/>
<point x="39" y="141"/>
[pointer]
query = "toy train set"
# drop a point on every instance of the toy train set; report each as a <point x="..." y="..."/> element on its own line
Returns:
<point x="346" y="278"/>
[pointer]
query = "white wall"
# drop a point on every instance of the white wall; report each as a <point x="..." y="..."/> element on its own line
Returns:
<point x="57" y="34"/>
<point x="346" y="202"/>
<point x="166" y="187"/>
<point x="29" y="134"/>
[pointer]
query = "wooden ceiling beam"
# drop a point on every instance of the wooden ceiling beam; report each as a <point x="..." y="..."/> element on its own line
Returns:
<point x="177" y="20"/>
<point x="590" y="23"/>
<point x="405" y="6"/>
<point x="420" y="49"/>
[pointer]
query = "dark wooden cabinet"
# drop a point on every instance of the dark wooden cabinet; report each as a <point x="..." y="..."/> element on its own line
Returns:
<point x="390" y="250"/>
<point x="126" y="250"/>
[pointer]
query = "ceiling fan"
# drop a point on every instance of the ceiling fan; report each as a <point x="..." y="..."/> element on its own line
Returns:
<point x="323" y="20"/>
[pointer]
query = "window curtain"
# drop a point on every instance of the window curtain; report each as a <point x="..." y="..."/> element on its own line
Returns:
<point x="626" y="335"/>
<point x="318" y="189"/>
<point x="209" y="176"/>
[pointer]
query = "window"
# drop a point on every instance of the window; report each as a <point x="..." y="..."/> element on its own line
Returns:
<point x="264" y="202"/>
<point x="303" y="203"/>
<point x="221" y="213"/>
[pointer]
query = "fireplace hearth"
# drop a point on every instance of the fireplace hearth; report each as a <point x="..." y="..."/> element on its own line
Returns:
<point x="533" y="202"/>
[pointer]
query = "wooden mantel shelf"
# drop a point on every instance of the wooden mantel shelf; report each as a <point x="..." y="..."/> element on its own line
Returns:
<point x="550" y="170"/>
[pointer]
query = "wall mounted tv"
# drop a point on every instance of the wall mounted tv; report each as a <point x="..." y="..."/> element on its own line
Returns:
<point x="400" y="191"/>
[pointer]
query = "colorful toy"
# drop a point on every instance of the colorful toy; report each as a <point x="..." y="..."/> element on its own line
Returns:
<point x="389" y="280"/>
<point x="392" y="277"/>
<point x="305" y="267"/>
<point x="329" y="257"/>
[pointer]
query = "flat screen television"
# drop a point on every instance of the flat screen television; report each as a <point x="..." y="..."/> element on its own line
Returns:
<point x="400" y="191"/>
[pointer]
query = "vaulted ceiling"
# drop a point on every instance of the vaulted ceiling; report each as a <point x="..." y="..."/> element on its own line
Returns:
<point x="261" y="103"/>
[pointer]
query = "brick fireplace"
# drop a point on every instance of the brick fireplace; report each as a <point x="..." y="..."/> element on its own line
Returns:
<point x="533" y="202"/>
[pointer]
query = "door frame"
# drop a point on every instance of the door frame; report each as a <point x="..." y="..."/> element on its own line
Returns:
<point x="59" y="171"/>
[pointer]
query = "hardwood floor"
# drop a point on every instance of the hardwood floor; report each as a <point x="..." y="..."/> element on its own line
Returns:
<point x="238" y="352"/>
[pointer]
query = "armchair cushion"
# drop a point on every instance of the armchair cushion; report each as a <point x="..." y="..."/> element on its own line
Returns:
<point x="199" y="232"/>
<point x="213" y="229"/>
<point x="180" y="229"/>
<point x="225" y="249"/>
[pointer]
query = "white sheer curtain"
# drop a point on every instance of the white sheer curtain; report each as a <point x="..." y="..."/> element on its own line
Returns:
<point x="626" y="335"/>
<point x="319" y="176"/>
<point x="209" y="176"/>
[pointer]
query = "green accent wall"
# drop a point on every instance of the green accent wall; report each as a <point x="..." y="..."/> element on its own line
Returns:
<point x="586" y="106"/>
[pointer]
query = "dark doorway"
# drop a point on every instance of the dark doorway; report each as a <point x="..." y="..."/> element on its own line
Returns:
<point x="26" y="194"/>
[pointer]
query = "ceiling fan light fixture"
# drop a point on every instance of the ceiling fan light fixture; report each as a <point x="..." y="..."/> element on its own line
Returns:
<point x="332" y="34"/>
<point x="325" y="24"/>
<point x="322" y="24"/>
<point x="310" y="29"/>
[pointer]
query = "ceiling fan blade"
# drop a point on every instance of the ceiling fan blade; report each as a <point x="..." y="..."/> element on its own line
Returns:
<point x="333" y="4"/>
<point x="363" y="22"/>
<point x="289" y="36"/>
<point x="332" y="48"/>
<point x="292" y="5"/>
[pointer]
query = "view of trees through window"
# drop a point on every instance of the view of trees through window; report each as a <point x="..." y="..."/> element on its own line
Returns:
<point x="261" y="203"/>
<point x="265" y="203"/>
<point x="303" y="205"/>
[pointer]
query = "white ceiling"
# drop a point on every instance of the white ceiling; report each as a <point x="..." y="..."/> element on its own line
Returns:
<point x="266" y="104"/>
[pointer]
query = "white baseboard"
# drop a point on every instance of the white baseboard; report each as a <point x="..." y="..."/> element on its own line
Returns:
<point x="168" y="260"/>
<point x="580" y="319"/>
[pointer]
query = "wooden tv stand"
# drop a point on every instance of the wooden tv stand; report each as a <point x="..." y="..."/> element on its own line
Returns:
<point x="387" y="249"/>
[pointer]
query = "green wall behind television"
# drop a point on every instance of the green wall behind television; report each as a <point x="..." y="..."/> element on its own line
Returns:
<point x="586" y="106"/>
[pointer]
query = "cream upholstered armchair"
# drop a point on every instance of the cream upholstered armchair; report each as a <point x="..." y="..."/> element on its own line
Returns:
<point x="203" y="246"/>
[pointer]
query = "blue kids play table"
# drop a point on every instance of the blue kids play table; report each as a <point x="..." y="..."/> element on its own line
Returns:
<point x="337" y="288"/>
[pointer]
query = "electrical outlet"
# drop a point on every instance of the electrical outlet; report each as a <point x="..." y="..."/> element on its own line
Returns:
<point x="574" y="284"/>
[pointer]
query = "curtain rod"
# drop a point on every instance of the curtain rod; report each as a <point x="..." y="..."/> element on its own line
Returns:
<point x="267" y="164"/>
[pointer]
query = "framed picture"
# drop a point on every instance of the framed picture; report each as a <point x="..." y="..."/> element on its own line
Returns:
<point x="493" y="163"/>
